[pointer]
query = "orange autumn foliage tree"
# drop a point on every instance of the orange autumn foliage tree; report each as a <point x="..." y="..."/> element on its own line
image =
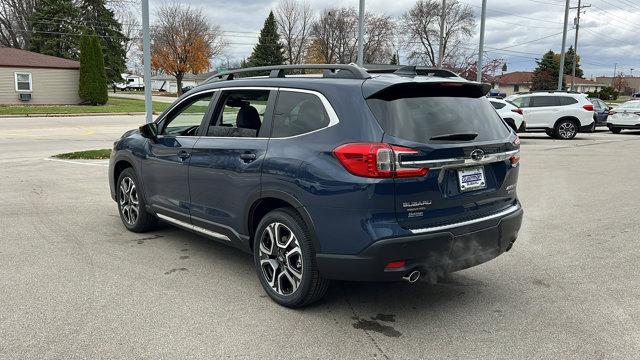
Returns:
<point x="183" y="42"/>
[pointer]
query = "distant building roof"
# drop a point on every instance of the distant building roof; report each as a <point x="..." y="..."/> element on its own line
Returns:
<point x="10" y="57"/>
<point x="515" y="78"/>
<point x="580" y="81"/>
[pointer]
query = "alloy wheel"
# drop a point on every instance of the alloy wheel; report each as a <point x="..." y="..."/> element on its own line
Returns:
<point x="280" y="258"/>
<point x="567" y="130"/>
<point x="128" y="201"/>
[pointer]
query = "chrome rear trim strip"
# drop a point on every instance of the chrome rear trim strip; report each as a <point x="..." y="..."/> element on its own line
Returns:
<point x="194" y="228"/>
<point x="505" y="212"/>
<point x="460" y="162"/>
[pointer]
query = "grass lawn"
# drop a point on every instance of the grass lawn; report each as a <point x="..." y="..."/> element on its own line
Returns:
<point x="87" y="154"/>
<point x="114" y="105"/>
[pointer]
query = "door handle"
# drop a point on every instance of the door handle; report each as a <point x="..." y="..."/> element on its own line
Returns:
<point x="183" y="154"/>
<point x="248" y="157"/>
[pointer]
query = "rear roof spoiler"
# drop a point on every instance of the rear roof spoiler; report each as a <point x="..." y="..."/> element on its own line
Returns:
<point x="452" y="88"/>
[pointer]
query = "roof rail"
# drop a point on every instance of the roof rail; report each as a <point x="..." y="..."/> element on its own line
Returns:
<point x="349" y="71"/>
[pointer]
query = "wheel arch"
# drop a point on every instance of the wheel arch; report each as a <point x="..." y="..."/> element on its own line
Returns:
<point x="271" y="200"/>
<point x="574" y="119"/>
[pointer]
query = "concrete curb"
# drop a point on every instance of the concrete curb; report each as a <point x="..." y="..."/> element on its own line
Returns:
<point x="74" y="114"/>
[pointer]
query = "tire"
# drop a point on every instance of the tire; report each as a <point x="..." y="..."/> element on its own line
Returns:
<point x="128" y="192"/>
<point x="550" y="133"/>
<point x="615" y="130"/>
<point x="287" y="270"/>
<point x="566" y="129"/>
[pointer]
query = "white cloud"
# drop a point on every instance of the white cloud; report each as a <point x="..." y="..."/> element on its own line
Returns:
<point x="608" y="33"/>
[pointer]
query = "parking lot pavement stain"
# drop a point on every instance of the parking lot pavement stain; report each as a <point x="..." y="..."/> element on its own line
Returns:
<point x="142" y="240"/>
<point x="184" y="257"/>
<point x="384" y="317"/>
<point x="370" y="325"/>
<point x="174" y="270"/>
<point x="541" y="283"/>
<point x="184" y="249"/>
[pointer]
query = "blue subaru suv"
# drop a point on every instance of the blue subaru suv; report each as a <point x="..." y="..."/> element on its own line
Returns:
<point x="385" y="174"/>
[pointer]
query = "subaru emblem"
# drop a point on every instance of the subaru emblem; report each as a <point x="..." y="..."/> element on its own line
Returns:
<point x="477" y="155"/>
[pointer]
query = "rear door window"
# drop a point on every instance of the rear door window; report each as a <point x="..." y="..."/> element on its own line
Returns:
<point x="422" y="118"/>
<point x="298" y="113"/>
<point x="567" y="100"/>
<point x="240" y="113"/>
<point x="544" y="101"/>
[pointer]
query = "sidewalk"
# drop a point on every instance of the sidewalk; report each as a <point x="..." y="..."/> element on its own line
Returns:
<point x="122" y="94"/>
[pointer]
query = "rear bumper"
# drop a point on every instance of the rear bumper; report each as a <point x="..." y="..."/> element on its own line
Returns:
<point x="588" y="128"/>
<point x="438" y="251"/>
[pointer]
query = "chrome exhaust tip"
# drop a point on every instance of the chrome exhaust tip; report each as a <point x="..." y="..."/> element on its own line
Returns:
<point x="412" y="276"/>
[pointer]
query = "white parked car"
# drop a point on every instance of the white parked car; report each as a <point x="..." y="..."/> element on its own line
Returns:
<point x="625" y="116"/>
<point x="510" y="113"/>
<point x="560" y="114"/>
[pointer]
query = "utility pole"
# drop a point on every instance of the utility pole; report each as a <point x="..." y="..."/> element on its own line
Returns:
<point x="483" y="19"/>
<point x="575" y="44"/>
<point x="564" y="43"/>
<point x="146" y="58"/>
<point x="360" y="60"/>
<point x="441" y="47"/>
<point x="615" y="69"/>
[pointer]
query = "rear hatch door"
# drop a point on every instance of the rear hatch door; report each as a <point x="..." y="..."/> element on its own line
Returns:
<point x="458" y="135"/>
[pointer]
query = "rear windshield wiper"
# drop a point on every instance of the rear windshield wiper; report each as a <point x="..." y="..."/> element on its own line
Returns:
<point x="456" y="136"/>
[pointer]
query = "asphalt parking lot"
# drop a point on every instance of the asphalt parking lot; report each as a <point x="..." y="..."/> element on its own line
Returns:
<point x="75" y="284"/>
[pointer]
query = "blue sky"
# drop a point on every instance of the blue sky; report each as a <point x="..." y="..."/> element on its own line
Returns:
<point x="517" y="30"/>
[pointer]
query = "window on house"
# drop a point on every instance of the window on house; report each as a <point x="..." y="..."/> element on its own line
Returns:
<point x="23" y="81"/>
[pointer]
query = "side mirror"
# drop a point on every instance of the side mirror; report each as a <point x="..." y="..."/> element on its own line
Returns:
<point x="149" y="131"/>
<point x="610" y="107"/>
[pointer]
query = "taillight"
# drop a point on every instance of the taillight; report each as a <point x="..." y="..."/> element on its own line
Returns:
<point x="376" y="160"/>
<point x="516" y="141"/>
<point x="588" y="107"/>
<point x="611" y="112"/>
<point x="515" y="160"/>
<point x="519" y="111"/>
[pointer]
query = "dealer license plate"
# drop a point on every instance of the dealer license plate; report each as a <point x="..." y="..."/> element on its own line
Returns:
<point x="472" y="178"/>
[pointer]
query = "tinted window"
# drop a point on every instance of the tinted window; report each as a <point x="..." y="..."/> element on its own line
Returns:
<point x="566" y="100"/>
<point x="298" y="113"/>
<point x="188" y="116"/>
<point x="421" y="118"/>
<point x="541" y="101"/>
<point x="497" y="105"/>
<point x="240" y="113"/>
<point x="522" y="102"/>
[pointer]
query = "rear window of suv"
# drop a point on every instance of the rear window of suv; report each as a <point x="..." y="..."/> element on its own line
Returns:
<point x="421" y="118"/>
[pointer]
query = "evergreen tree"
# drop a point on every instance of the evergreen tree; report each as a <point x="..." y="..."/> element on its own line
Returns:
<point x="93" y="84"/>
<point x="568" y="63"/>
<point x="96" y="16"/>
<point x="100" y="90"/>
<point x="394" y="59"/>
<point x="54" y="25"/>
<point x="268" y="51"/>
<point x="545" y="76"/>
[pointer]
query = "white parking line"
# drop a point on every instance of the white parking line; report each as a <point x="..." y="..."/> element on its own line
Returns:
<point x="77" y="162"/>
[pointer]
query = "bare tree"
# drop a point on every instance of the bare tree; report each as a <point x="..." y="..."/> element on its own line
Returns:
<point x="294" y="18"/>
<point x="378" y="38"/>
<point x="14" y="22"/>
<point x="421" y="29"/>
<point x="335" y="35"/>
<point x="184" y="41"/>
